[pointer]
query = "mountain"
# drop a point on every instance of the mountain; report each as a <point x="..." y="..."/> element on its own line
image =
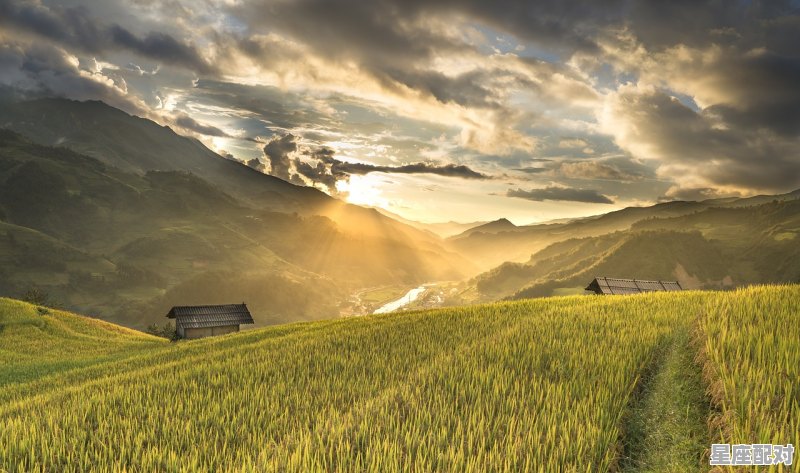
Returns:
<point x="497" y="226"/>
<point x="137" y="145"/>
<point x="125" y="234"/>
<point x="490" y="249"/>
<point x="719" y="247"/>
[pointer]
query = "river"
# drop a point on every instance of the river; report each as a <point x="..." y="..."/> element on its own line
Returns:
<point x="408" y="298"/>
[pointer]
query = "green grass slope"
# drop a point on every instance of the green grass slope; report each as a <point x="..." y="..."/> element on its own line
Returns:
<point x="483" y="388"/>
<point x="39" y="341"/>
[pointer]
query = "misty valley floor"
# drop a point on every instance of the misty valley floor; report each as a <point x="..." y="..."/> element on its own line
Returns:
<point x="636" y="383"/>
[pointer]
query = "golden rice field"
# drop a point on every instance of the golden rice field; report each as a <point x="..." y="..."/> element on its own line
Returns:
<point x="751" y="352"/>
<point x="538" y="385"/>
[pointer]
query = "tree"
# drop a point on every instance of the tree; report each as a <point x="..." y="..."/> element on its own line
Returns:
<point x="36" y="296"/>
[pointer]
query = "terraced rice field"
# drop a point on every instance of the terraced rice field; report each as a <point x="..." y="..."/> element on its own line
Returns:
<point x="541" y="385"/>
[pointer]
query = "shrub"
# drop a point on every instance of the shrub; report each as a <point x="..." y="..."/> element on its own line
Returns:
<point x="167" y="331"/>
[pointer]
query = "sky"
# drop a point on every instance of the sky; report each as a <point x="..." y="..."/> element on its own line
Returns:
<point x="445" y="110"/>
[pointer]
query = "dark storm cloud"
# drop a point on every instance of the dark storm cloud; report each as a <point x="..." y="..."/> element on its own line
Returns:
<point x="74" y="27"/>
<point x="560" y="194"/>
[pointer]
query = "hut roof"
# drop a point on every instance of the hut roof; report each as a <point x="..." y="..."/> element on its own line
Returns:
<point x="198" y="316"/>
<point x="603" y="285"/>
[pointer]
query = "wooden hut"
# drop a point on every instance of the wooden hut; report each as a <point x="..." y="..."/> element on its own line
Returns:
<point x="200" y="321"/>
<point x="608" y="286"/>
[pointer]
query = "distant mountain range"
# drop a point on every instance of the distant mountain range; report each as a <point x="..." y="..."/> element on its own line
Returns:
<point x="497" y="242"/>
<point x="714" y="244"/>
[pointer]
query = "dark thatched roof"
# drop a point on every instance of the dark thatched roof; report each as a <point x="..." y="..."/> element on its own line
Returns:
<point x="198" y="316"/>
<point x="603" y="285"/>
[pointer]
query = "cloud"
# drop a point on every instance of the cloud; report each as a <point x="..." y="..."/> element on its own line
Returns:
<point x="34" y="70"/>
<point x="319" y="165"/>
<point x="256" y="164"/>
<point x="560" y="194"/>
<point x="592" y="170"/>
<point x="587" y="169"/>
<point x="278" y="152"/>
<point x="162" y="47"/>
<point x="701" y="96"/>
<point x="343" y="168"/>
<point x="533" y="170"/>
<point x="694" y="194"/>
<point x="700" y="148"/>
<point x="190" y="123"/>
<point x="572" y="143"/>
<point x="769" y="24"/>
<point x="72" y="26"/>
<point x="280" y="109"/>
<point x="757" y="89"/>
<point x="319" y="173"/>
<point x="409" y="29"/>
<point x="414" y="60"/>
<point x="448" y="170"/>
<point x="743" y="137"/>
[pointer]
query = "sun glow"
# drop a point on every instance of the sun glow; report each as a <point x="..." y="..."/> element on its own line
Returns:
<point x="363" y="190"/>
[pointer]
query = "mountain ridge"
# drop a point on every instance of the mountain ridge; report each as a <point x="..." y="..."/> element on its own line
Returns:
<point x="149" y="240"/>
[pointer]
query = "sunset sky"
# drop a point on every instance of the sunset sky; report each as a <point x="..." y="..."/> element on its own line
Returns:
<point x="444" y="110"/>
